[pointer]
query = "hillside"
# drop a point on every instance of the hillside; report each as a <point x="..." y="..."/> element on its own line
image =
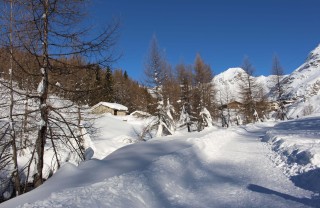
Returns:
<point x="304" y="82"/>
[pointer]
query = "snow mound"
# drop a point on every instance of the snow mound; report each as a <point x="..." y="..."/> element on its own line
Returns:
<point x="296" y="147"/>
<point x="112" y="133"/>
<point x="140" y="114"/>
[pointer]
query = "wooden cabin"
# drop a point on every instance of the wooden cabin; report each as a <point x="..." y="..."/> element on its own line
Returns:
<point x="113" y="108"/>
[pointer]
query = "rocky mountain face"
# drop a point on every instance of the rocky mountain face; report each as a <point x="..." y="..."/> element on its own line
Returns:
<point x="302" y="83"/>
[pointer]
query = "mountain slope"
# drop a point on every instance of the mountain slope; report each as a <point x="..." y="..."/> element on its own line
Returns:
<point x="228" y="84"/>
<point x="301" y="84"/>
<point x="304" y="82"/>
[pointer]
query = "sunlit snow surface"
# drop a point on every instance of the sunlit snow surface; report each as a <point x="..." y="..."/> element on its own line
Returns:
<point x="218" y="167"/>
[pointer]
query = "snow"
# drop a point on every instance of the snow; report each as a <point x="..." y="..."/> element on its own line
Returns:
<point x="115" y="106"/>
<point x="40" y="88"/>
<point x="41" y="123"/>
<point x="218" y="167"/>
<point x="301" y="87"/>
<point x="140" y="114"/>
<point x="231" y="73"/>
<point x="297" y="148"/>
<point x="42" y="71"/>
<point x="304" y="82"/>
<point x="268" y="83"/>
<point x="229" y="83"/>
<point x="113" y="133"/>
<point x="34" y="120"/>
<point x="206" y="116"/>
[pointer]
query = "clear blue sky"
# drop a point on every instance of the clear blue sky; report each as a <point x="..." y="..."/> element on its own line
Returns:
<point x="222" y="31"/>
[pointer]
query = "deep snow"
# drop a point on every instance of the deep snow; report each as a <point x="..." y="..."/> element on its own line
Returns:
<point x="217" y="167"/>
<point x="296" y="149"/>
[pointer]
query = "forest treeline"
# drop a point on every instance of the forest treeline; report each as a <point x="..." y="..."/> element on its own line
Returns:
<point x="187" y="89"/>
<point x="77" y="80"/>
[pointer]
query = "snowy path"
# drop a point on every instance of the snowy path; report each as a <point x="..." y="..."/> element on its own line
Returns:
<point x="215" y="168"/>
<point x="245" y="175"/>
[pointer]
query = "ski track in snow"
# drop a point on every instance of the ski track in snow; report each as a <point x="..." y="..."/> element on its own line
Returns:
<point x="223" y="168"/>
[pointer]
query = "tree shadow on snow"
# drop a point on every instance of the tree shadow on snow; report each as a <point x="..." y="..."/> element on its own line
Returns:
<point x="311" y="123"/>
<point x="254" y="133"/>
<point x="306" y="201"/>
<point x="196" y="185"/>
<point x="309" y="180"/>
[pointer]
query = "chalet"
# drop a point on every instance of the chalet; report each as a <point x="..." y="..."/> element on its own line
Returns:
<point x="234" y="105"/>
<point x="113" y="108"/>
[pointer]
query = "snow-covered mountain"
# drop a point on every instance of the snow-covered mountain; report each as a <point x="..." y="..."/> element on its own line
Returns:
<point x="304" y="82"/>
<point x="228" y="83"/>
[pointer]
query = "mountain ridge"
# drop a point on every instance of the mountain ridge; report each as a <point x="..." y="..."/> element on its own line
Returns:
<point x="302" y="83"/>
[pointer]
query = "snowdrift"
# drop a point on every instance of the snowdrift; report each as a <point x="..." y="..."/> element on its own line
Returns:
<point x="296" y="149"/>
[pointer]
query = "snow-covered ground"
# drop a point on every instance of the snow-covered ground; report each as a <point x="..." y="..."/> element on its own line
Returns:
<point x="296" y="146"/>
<point x="113" y="133"/>
<point x="246" y="166"/>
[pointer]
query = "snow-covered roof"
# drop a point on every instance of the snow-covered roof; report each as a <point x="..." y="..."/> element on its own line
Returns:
<point x="140" y="114"/>
<point x="115" y="106"/>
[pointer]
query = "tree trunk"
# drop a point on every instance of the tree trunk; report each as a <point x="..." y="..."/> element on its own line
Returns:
<point x="42" y="133"/>
<point x="54" y="148"/>
<point x="15" y="173"/>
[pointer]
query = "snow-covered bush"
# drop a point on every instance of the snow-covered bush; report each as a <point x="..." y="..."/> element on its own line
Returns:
<point x="206" y="117"/>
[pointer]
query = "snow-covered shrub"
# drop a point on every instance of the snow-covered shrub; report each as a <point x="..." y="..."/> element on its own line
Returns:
<point x="206" y="117"/>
